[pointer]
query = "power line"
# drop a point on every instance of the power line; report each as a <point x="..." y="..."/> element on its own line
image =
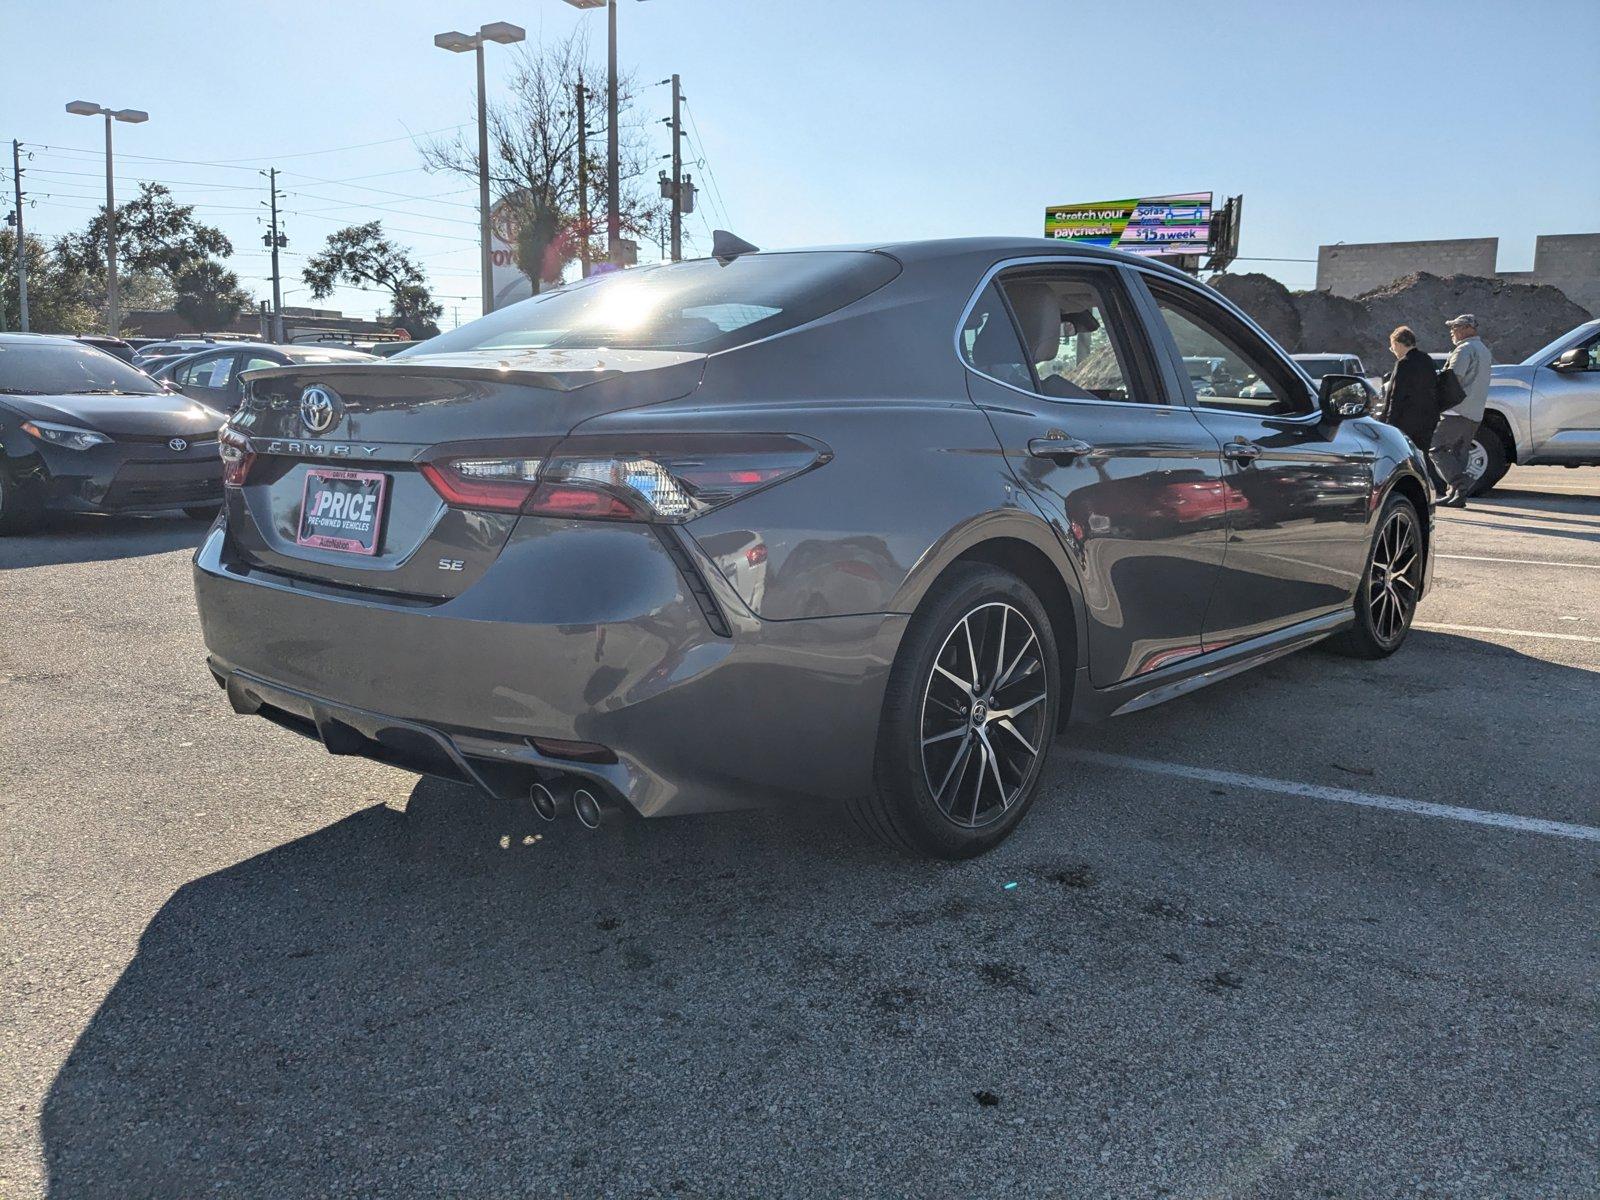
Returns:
<point x="231" y="163"/>
<point x="706" y="164"/>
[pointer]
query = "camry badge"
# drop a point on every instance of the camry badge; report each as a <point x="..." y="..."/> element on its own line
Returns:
<point x="319" y="408"/>
<point x="178" y="444"/>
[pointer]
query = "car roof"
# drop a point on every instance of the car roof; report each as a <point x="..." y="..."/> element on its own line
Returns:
<point x="337" y="354"/>
<point x="934" y="249"/>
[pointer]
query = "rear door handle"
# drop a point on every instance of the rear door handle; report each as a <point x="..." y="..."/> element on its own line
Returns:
<point x="1059" y="448"/>
<point x="1241" y="452"/>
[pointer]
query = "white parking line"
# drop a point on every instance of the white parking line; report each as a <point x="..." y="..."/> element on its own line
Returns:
<point x="1314" y="791"/>
<point x="1526" y="562"/>
<point x="1527" y="633"/>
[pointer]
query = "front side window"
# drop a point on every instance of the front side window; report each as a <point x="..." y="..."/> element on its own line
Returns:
<point x="1226" y="366"/>
<point x="1074" y="335"/>
<point x="210" y="372"/>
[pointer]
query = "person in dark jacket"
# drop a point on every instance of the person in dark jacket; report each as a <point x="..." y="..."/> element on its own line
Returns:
<point x="1412" y="402"/>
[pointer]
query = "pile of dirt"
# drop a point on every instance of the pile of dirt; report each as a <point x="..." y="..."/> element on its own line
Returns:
<point x="1515" y="319"/>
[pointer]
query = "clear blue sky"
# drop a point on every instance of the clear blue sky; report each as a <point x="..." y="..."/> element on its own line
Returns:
<point x="844" y="120"/>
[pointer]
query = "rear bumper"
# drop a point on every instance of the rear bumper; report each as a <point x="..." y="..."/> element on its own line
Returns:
<point x="547" y="645"/>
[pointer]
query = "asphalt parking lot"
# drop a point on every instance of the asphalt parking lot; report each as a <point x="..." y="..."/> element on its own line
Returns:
<point x="1327" y="929"/>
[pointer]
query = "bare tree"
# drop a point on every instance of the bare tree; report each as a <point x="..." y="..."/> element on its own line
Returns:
<point x="533" y="157"/>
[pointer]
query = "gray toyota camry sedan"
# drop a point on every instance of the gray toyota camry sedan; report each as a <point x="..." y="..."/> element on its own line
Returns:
<point x="866" y="525"/>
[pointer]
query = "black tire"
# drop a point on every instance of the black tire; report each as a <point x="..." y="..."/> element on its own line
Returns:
<point x="1384" y="616"/>
<point x="980" y="800"/>
<point x="1496" y="461"/>
<point x="202" y="512"/>
<point x="21" y="506"/>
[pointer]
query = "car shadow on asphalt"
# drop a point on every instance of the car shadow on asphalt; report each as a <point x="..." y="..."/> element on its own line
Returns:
<point x="91" y="537"/>
<point x="460" y="999"/>
<point x="1506" y="526"/>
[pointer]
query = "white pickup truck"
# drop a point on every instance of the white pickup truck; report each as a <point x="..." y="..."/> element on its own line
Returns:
<point x="1544" y="410"/>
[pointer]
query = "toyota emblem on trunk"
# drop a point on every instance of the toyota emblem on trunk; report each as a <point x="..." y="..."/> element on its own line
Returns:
<point x="319" y="408"/>
<point x="178" y="444"/>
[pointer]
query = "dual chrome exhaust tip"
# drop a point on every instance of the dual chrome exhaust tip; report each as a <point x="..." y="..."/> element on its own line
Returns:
<point x="552" y="800"/>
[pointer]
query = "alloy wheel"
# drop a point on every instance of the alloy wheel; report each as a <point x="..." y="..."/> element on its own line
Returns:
<point x="1394" y="582"/>
<point x="983" y="715"/>
<point x="1477" y="461"/>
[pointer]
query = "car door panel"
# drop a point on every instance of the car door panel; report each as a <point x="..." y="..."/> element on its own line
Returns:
<point x="1133" y="491"/>
<point x="1297" y="487"/>
<point x="1566" y="412"/>
<point x="1297" y="510"/>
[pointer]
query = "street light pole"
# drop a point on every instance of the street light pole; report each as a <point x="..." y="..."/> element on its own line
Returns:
<point x="84" y="108"/>
<point x="583" y="183"/>
<point x="613" y="178"/>
<point x="505" y="33"/>
<point x="485" y="261"/>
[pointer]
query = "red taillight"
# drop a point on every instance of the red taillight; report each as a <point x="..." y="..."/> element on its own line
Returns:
<point x="237" y="457"/>
<point x="674" y="477"/>
<point x="563" y="500"/>
<point x="491" y="484"/>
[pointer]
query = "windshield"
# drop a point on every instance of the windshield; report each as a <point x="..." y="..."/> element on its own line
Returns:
<point x="702" y="305"/>
<point x="51" y="368"/>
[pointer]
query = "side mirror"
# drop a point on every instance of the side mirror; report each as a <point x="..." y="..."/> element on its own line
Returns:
<point x="1345" y="396"/>
<point x="1575" y="359"/>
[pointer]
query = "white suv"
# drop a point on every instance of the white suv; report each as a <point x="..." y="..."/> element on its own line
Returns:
<point x="1544" y="410"/>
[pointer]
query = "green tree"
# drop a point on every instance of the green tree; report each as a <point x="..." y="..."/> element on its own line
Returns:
<point x="160" y="244"/>
<point x="56" y="294"/>
<point x="361" y="255"/>
<point x="208" y="295"/>
<point x="154" y="234"/>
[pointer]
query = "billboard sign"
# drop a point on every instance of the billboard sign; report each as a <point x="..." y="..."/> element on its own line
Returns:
<point x="1152" y="225"/>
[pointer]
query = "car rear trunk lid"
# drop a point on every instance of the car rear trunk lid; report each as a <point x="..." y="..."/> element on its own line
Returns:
<point x="366" y="427"/>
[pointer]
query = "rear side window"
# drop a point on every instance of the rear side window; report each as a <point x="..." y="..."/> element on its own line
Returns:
<point x="703" y="305"/>
<point x="1076" y="334"/>
<point x="989" y="342"/>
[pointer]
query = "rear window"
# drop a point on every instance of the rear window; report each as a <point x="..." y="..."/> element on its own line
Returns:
<point x="703" y="305"/>
<point x="50" y="368"/>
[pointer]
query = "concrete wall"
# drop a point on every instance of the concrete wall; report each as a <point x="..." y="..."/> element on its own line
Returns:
<point x="1569" y="261"/>
<point x="1351" y="269"/>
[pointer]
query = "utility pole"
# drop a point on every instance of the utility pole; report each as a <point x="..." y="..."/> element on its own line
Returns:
<point x="613" y="177"/>
<point x="583" y="182"/>
<point x="276" y="241"/>
<point x="677" y="171"/>
<point x="22" y="243"/>
<point x="677" y="187"/>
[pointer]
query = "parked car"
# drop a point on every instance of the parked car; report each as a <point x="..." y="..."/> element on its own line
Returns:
<point x="212" y="376"/>
<point x="171" y="347"/>
<point x="115" y="347"/>
<point x="81" y="431"/>
<point x="861" y="525"/>
<point x="1543" y="411"/>
<point x="1318" y="364"/>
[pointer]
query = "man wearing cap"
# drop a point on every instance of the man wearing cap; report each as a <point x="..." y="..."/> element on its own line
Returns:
<point x="1452" y="440"/>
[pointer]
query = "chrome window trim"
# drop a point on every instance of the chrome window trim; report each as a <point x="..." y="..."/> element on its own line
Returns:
<point x="1048" y="260"/>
